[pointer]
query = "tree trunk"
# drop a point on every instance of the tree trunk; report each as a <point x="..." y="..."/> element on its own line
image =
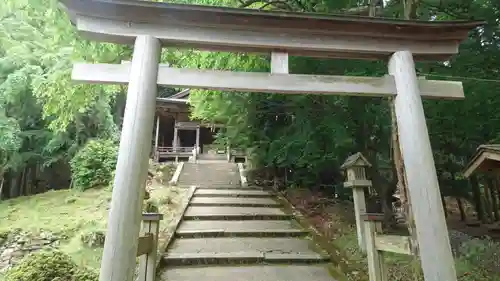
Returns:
<point x="496" y="187"/>
<point x="476" y="196"/>
<point x="445" y="208"/>
<point x="28" y="181"/>
<point x="487" y="203"/>
<point x="463" y="216"/>
<point x="493" y="196"/>
<point x="14" y="188"/>
<point x="119" y="108"/>
<point x="2" y="179"/>
<point x="22" y="184"/>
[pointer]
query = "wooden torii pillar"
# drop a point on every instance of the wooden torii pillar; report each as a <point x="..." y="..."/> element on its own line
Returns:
<point x="150" y="25"/>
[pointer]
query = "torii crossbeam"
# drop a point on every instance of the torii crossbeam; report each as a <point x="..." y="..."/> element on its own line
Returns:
<point x="151" y="26"/>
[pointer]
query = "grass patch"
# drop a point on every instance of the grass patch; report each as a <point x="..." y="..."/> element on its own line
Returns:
<point x="73" y="213"/>
<point x="62" y="211"/>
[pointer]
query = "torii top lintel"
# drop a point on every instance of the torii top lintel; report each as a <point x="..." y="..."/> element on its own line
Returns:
<point x="248" y="30"/>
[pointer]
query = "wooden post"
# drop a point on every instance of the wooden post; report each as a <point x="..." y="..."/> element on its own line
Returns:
<point x="176" y="133"/>
<point x="148" y="255"/>
<point x="432" y="232"/>
<point x="157" y="132"/>
<point x="279" y="62"/>
<point x="356" y="179"/>
<point x="120" y="247"/>
<point x="197" y="139"/>
<point x="358" y="194"/>
<point x="376" y="266"/>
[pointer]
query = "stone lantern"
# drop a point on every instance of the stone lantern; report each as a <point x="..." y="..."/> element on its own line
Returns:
<point x="355" y="167"/>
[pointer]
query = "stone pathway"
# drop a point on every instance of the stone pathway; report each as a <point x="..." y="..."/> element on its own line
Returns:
<point x="238" y="234"/>
<point x="210" y="174"/>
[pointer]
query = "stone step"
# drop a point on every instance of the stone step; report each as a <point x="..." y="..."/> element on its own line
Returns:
<point x="271" y="228"/>
<point x="233" y="201"/>
<point x="252" y="257"/>
<point x="229" y="250"/>
<point x="221" y="186"/>
<point x="234" y="213"/>
<point x="239" y="245"/>
<point x="232" y="193"/>
<point x="248" y="273"/>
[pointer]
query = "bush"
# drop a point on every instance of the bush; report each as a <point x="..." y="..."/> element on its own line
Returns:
<point x="93" y="239"/>
<point x="84" y="274"/>
<point x="479" y="259"/>
<point x="94" y="164"/>
<point x="49" y="266"/>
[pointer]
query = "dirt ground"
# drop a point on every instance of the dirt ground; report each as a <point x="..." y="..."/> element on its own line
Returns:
<point x="471" y="226"/>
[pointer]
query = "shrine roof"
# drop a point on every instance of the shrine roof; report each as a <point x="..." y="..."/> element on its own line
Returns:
<point x="486" y="159"/>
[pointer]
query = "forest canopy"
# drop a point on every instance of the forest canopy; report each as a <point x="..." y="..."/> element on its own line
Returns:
<point x="45" y="118"/>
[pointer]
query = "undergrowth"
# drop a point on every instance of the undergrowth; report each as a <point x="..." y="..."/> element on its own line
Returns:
<point x="79" y="215"/>
<point x="49" y="266"/>
<point x="476" y="259"/>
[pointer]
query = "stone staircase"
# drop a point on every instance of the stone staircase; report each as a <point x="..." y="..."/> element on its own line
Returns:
<point x="212" y="174"/>
<point x="238" y="234"/>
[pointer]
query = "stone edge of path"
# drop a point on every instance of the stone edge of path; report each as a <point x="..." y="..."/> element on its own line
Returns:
<point x="243" y="177"/>
<point x="172" y="228"/>
<point x="177" y="174"/>
<point x="337" y="268"/>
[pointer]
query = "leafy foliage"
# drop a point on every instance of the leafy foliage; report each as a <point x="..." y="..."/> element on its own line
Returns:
<point x="45" y="117"/>
<point x="49" y="266"/>
<point x="304" y="138"/>
<point x="94" y="164"/>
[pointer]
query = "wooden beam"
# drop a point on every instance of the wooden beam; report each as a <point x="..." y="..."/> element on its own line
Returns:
<point x="120" y="248"/>
<point x="264" y="40"/>
<point x="393" y="243"/>
<point x="152" y="217"/>
<point x="377" y="217"/>
<point x="268" y="83"/>
<point x="187" y="125"/>
<point x="357" y="183"/>
<point x="474" y="165"/>
<point x="420" y="172"/>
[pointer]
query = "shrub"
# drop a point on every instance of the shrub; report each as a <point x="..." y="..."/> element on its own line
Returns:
<point x="94" y="164"/>
<point x="84" y="274"/>
<point x="49" y="266"/>
<point x="93" y="239"/>
<point x="479" y="259"/>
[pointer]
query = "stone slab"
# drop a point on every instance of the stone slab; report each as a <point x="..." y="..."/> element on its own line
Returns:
<point x="248" y="273"/>
<point x="252" y="257"/>
<point x="234" y="213"/>
<point x="294" y="257"/>
<point x="250" y="228"/>
<point x="236" y="225"/>
<point x="184" y="259"/>
<point x="221" y="186"/>
<point x="210" y="175"/>
<point x="232" y="193"/>
<point x="233" y="201"/>
<point x="241" y="245"/>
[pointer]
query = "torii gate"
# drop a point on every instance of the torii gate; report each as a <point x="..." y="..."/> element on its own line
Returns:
<point x="151" y="26"/>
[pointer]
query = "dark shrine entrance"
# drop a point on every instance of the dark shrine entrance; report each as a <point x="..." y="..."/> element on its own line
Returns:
<point x="170" y="145"/>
